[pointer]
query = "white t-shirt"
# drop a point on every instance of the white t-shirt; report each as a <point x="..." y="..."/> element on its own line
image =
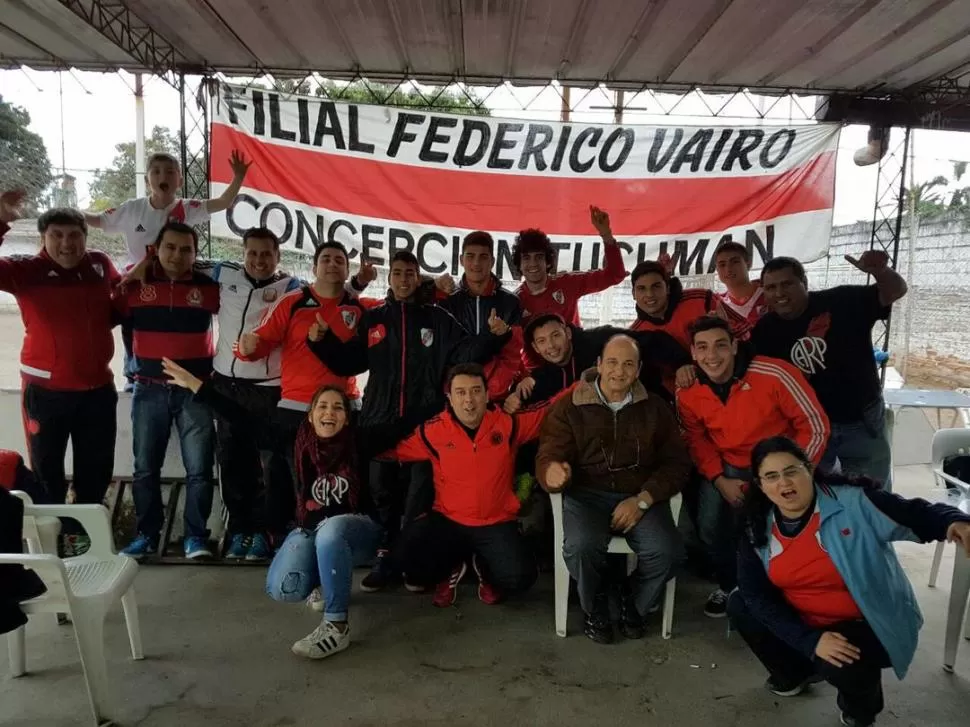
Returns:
<point x="140" y="223"/>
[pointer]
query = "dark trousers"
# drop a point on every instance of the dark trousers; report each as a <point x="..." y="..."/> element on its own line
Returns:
<point x="433" y="545"/>
<point x="400" y="493"/>
<point x="859" y="684"/>
<point x="249" y="454"/>
<point x="587" y="533"/>
<point x="280" y="497"/>
<point x="89" y="419"/>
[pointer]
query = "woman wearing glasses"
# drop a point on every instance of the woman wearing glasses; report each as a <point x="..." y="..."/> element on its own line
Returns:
<point x="821" y="595"/>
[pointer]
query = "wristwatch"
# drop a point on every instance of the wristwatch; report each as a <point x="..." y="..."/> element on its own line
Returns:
<point x="642" y="504"/>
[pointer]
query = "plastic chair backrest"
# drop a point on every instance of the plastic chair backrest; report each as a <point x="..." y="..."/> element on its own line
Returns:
<point x="31" y="534"/>
<point x="947" y="443"/>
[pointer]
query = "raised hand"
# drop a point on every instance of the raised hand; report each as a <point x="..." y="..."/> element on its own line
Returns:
<point x="870" y="262"/>
<point x="318" y="329"/>
<point x="557" y="475"/>
<point x="445" y="283"/>
<point x="496" y="325"/>
<point x="601" y="221"/>
<point x="12" y="205"/>
<point x="180" y="376"/>
<point x="238" y="164"/>
<point x="512" y="403"/>
<point x="367" y="273"/>
<point x="247" y="344"/>
<point x="667" y="262"/>
<point x="525" y="387"/>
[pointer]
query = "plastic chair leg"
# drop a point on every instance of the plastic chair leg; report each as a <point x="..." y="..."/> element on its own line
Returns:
<point x="18" y="652"/>
<point x="667" y="625"/>
<point x="935" y="566"/>
<point x="130" y="606"/>
<point x="562" y="592"/>
<point x="966" y="625"/>
<point x="957" y="608"/>
<point x="89" y="630"/>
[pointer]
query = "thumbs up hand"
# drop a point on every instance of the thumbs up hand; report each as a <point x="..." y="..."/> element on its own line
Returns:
<point x="496" y="325"/>
<point x="318" y="329"/>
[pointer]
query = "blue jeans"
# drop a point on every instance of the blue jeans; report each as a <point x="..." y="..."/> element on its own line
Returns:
<point x="325" y="558"/>
<point x="154" y="407"/>
<point x="861" y="448"/>
<point x="717" y="526"/>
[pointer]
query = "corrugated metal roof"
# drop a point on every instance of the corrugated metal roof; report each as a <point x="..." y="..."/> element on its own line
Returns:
<point x="823" y="45"/>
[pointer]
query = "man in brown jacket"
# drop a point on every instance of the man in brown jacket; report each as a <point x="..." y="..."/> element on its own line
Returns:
<point x="617" y="453"/>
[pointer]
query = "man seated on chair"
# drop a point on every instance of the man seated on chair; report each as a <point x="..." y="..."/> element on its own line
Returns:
<point x="738" y="400"/>
<point x="616" y="453"/>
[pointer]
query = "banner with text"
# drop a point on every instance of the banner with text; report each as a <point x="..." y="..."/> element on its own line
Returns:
<point x="381" y="179"/>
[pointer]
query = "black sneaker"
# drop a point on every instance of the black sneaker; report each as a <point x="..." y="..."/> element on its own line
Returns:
<point x="598" y="626"/>
<point x="783" y="688"/>
<point x="380" y="575"/>
<point x="716" y="606"/>
<point x="853" y="722"/>
<point x="631" y="623"/>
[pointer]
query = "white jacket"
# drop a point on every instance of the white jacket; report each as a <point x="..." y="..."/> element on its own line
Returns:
<point x="242" y="304"/>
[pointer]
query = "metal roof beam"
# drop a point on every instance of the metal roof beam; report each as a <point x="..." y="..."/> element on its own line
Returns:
<point x="114" y="21"/>
<point x="650" y="12"/>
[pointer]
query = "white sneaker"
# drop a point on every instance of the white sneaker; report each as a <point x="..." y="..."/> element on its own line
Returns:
<point x="315" y="600"/>
<point x="325" y="640"/>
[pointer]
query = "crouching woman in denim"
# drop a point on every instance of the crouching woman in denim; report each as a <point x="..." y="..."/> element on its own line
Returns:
<point x="334" y="529"/>
<point x="821" y="594"/>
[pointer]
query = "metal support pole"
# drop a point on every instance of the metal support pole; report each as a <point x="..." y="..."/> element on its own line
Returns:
<point x="139" y="137"/>
<point x="182" y="144"/>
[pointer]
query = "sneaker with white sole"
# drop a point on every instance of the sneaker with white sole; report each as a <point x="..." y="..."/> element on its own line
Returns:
<point x="446" y="592"/>
<point x="325" y="640"/>
<point x="141" y="546"/>
<point x="853" y="722"/>
<point x="315" y="601"/>
<point x="259" y="548"/>
<point x="716" y="606"/>
<point x="238" y="547"/>
<point x="195" y="547"/>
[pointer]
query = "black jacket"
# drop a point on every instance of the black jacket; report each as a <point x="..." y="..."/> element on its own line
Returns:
<point x="407" y="348"/>
<point x="657" y="350"/>
<point x="472" y="311"/>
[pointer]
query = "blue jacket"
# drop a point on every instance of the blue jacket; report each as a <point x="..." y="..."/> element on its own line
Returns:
<point x="857" y="529"/>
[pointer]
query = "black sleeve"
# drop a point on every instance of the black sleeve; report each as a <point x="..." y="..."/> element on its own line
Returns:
<point x="767" y="604"/>
<point x="660" y="348"/>
<point x="514" y="311"/>
<point x="375" y="439"/>
<point x="597" y="337"/>
<point x="344" y="359"/>
<point x="463" y="347"/>
<point x="548" y="383"/>
<point x="224" y="406"/>
<point x="929" y="521"/>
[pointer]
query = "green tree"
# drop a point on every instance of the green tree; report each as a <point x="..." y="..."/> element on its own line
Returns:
<point x="115" y="184"/>
<point x="927" y="200"/>
<point x="390" y="95"/>
<point x="23" y="156"/>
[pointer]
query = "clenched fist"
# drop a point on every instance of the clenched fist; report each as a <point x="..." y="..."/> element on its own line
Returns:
<point x="557" y="475"/>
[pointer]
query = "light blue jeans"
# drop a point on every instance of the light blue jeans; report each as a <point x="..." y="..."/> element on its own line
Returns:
<point x="324" y="557"/>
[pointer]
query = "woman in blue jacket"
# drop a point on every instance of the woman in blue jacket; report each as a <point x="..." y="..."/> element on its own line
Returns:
<point x="821" y="594"/>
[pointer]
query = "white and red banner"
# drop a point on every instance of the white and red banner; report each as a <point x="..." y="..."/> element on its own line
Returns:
<point x="380" y="179"/>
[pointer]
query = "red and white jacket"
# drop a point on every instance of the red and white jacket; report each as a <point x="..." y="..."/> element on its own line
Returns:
<point x="767" y="397"/>
<point x="67" y="315"/>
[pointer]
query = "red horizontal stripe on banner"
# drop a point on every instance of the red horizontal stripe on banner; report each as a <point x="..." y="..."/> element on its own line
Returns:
<point x="176" y="346"/>
<point x="445" y="197"/>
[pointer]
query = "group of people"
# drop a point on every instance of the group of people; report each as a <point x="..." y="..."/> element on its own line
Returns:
<point x="762" y="404"/>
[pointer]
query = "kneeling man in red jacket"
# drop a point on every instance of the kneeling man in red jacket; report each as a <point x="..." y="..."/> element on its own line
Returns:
<point x="472" y="446"/>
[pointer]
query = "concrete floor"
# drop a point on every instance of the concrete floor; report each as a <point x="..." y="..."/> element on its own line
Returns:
<point x="218" y="654"/>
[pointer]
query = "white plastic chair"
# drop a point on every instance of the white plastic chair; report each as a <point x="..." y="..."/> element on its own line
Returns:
<point x="617" y="544"/>
<point x="946" y="443"/>
<point x="85" y="588"/>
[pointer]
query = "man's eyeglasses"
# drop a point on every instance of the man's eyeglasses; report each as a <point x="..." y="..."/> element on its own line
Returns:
<point x="611" y="460"/>
<point x="790" y="472"/>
